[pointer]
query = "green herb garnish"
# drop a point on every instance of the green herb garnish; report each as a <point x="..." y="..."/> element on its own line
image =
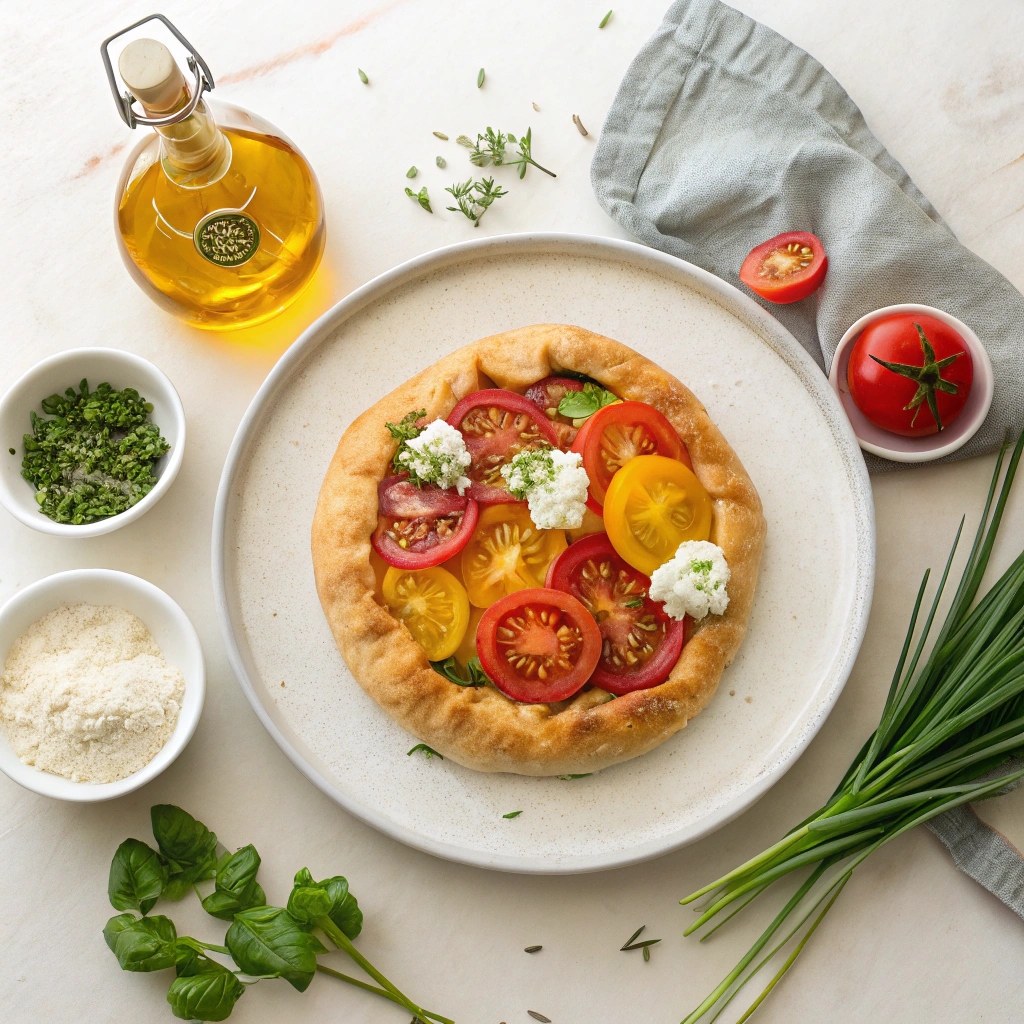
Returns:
<point x="449" y="668"/>
<point x="475" y="198"/>
<point x="362" y="76"/>
<point x="605" y="20"/>
<point x="421" y="197"/>
<point x="429" y="751"/>
<point x="95" y="457"/>
<point x="952" y="725"/>
<point x="581" y="405"/>
<point x="480" y="79"/>
<point x="263" y="942"/>
<point x="491" y="148"/>
<point x="405" y="430"/>
<point x="512" y="814"/>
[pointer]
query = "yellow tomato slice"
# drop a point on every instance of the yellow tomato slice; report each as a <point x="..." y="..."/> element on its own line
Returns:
<point x="653" y="504"/>
<point x="507" y="553"/>
<point x="433" y="605"/>
<point x="467" y="649"/>
<point x="592" y="523"/>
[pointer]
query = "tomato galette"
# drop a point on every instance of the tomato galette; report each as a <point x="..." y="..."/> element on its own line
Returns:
<point x="539" y="554"/>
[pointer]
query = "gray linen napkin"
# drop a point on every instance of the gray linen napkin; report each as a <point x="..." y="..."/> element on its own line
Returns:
<point x="723" y="134"/>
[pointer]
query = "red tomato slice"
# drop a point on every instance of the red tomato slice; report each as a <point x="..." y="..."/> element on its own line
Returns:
<point x="538" y="645"/>
<point x="618" y="433"/>
<point x="901" y="399"/>
<point x="546" y="394"/>
<point x="497" y="425"/>
<point x="786" y="268"/>
<point x="420" y="527"/>
<point x="640" y="644"/>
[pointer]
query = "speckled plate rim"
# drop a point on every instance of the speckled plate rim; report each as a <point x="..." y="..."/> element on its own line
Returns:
<point x="612" y="250"/>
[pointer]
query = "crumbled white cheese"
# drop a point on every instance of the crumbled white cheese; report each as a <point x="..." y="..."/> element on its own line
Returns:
<point x="693" y="582"/>
<point x="438" y="455"/>
<point x="554" y="484"/>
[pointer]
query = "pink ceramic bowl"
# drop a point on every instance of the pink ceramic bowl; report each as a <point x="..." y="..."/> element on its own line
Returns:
<point x="916" y="449"/>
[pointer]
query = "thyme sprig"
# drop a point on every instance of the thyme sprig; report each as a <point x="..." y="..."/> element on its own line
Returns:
<point x="475" y="198"/>
<point x="491" y="148"/>
<point x="951" y="718"/>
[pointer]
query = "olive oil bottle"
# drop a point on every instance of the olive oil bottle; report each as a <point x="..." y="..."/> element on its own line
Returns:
<point x="218" y="216"/>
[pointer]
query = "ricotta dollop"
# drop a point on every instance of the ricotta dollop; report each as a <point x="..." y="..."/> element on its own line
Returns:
<point x="554" y="484"/>
<point x="437" y="455"/>
<point x="693" y="582"/>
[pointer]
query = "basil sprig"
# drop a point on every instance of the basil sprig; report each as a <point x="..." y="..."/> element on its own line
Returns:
<point x="263" y="942"/>
<point x="449" y="668"/>
<point x="581" y="405"/>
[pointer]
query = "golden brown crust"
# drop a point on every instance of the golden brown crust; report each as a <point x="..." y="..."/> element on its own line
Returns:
<point x="480" y="727"/>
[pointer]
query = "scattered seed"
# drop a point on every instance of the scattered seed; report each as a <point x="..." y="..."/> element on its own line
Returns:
<point x="632" y="937"/>
<point x="533" y="949"/>
<point x="579" y="124"/>
<point x="512" y="814"/>
<point x="480" y="79"/>
<point x="362" y="76"/>
<point x="440" y="161"/>
<point x="647" y="953"/>
<point x="412" y="172"/>
<point x="441" y="135"/>
<point x="605" y="20"/>
<point x="539" y="1016"/>
<point x="535" y="107"/>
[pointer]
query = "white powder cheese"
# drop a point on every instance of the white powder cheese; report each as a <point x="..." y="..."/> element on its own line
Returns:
<point x="87" y="694"/>
<point x="438" y="455"/>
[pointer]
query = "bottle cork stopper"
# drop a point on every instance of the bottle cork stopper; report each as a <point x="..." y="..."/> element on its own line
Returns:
<point x="152" y="75"/>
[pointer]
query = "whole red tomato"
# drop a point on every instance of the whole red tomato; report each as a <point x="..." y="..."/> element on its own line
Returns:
<point x="910" y="374"/>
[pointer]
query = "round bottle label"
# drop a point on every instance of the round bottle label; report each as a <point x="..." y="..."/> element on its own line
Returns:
<point x="227" y="238"/>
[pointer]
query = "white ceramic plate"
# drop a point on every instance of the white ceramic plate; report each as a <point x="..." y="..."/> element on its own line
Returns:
<point x="765" y="393"/>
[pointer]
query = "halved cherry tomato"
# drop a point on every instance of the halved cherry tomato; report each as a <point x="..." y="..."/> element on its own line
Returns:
<point x="538" y="645"/>
<point x="654" y="504"/>
<point x="786" y="268"/>
<point x="618" y="433"/>
<point x="640" y="644"/>
<point x="546" y="394"/>
<point x="420" y="527"/>
<point x="507" y="553"/>
<point x="900" y="384"/>
<point x="497" y="425"/>
<point x="433" y="605"/>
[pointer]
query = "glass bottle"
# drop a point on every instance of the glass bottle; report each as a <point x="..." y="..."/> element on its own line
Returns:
<point x="219" y="218"/>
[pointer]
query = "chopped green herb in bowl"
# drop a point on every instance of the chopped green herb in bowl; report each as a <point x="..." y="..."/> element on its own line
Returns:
<point x="93" y="454"/>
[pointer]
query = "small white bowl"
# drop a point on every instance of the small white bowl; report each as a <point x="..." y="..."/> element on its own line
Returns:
<point x="896" y="447"/>
<point x="172" y="632"/>
<point x="55" y="375"/>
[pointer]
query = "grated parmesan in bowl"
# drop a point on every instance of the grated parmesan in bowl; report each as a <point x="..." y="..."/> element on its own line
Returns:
<point x="101" y="687"/>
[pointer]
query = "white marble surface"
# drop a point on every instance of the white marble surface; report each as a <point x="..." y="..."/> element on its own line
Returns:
<point x="941" y="83"/>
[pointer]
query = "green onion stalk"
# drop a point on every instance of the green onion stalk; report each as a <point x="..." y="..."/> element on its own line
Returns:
<point x="950" y="733"/>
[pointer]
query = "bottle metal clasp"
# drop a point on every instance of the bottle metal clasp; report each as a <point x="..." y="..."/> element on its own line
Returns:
<point x="196" y="64"/>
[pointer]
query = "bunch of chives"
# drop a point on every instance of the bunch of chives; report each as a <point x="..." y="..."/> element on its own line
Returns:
<point x="950" y="719"/>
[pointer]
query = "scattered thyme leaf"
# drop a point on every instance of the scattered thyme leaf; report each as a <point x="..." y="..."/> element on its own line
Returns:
<point x="421" y="197"/>
<point x="475" y="198"/>
<point x="480" y="78"/>
<point x="636" y="602"/>
<point x="605" y="20"/>
<point x="632" y="938"/>
<point x="535" y="107"/>
<point x="581" y="775"/>
<point x="579" y="125"/>
<point x="412" y="172"/>
<point x="647" y="954"/>
<point x="539" y="1016"/>
<point x="429" y="751"/>
<point x="640" y="945"/>
<point x="512" y="814"/>
<point x="533" y="949"/>
<point x="441" y="135"/>
<point x="12" y="451"/>
<point x="465" y="140"/>
<point x="362" y="76"/>
<point x="95" y="458"/>
<point x="440" y="161"/>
